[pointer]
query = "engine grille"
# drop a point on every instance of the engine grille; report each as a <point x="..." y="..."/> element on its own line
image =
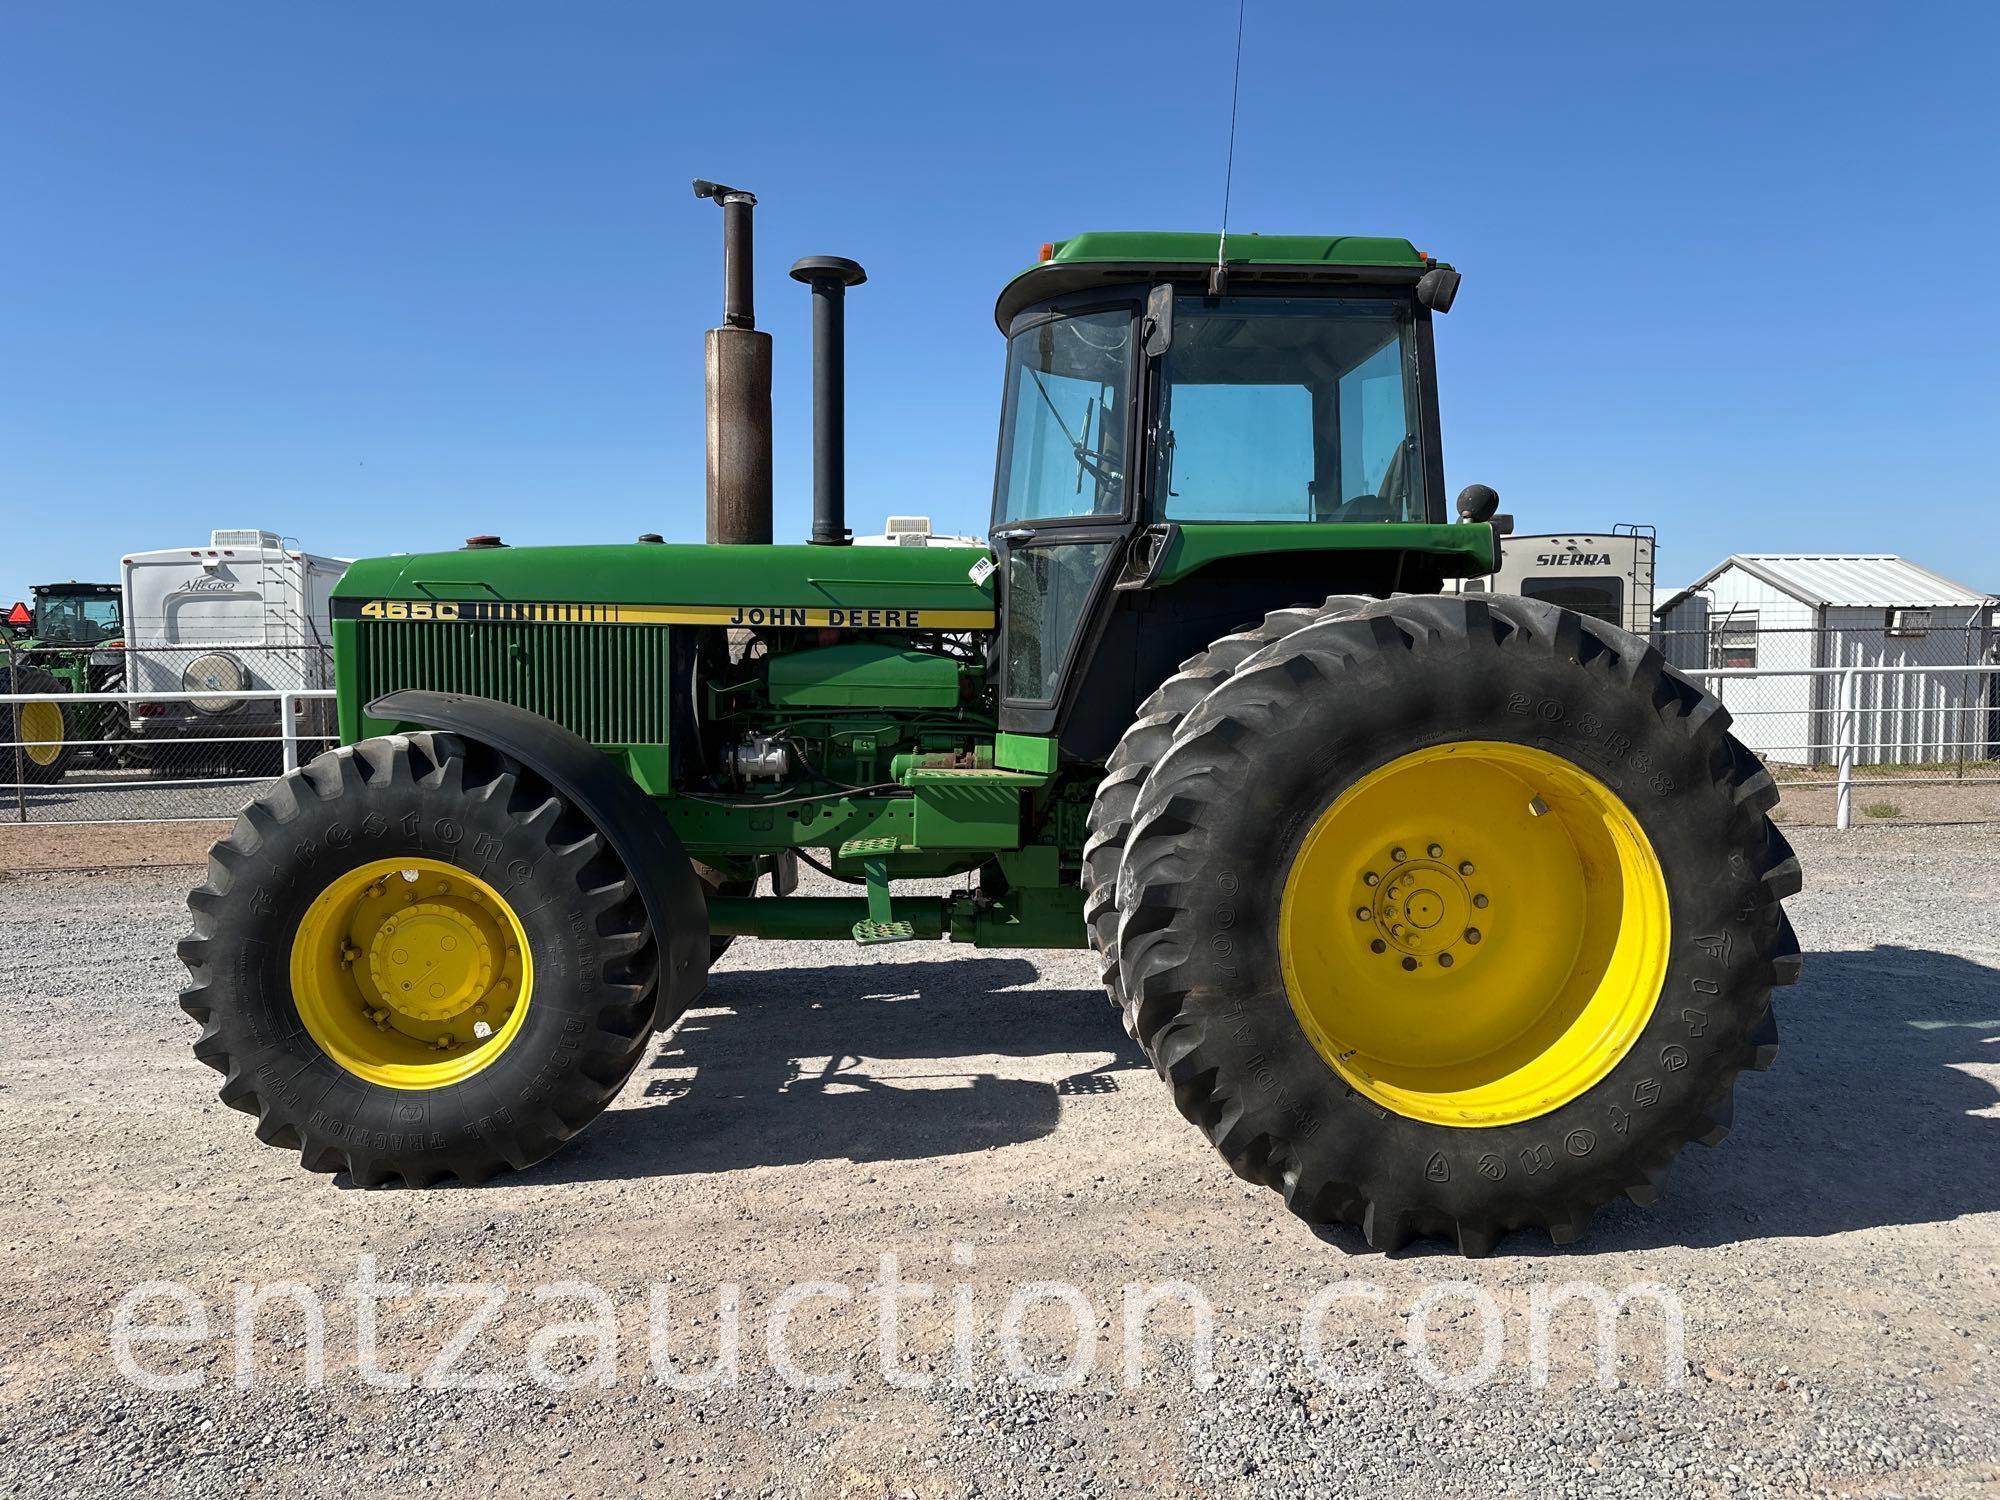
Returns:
<point x="609" y="683"/>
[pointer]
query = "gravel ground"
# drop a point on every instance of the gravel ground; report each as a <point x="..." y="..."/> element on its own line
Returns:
<point x="1837" y="1259"/>
<point x="41" y="847"/>
<point x="1884" y="799"/>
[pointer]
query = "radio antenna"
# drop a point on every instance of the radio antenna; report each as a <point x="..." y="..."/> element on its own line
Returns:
<point x="1218" y="280"/>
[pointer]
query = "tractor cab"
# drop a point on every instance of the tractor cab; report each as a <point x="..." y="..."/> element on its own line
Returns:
<point x="1226" y="435"/>
<point x="78" y="614"/>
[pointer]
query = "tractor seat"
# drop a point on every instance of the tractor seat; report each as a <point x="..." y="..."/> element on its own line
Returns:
<point x="1366" y="508"/>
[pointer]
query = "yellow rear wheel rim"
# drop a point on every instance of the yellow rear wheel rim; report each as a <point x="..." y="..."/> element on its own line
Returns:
<point x="411" y="973"/>
<point x="42" y="732"/>
<point x="1475" y="934"/>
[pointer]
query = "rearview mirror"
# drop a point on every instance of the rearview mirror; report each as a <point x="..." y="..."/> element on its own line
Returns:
<point x="1437" y="288"/>
<point x="1159" y="320"/>
<point x="1477" y="502"/>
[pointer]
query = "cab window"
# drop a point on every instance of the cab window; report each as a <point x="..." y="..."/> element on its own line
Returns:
<point x="1290" y="409"/>
<point x="1062" y="437"/>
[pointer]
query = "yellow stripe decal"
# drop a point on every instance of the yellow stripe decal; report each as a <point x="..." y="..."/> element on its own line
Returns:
<point x="743" y="616"/>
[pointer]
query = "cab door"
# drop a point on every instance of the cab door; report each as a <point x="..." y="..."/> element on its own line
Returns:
<point x="1063" y="496"/>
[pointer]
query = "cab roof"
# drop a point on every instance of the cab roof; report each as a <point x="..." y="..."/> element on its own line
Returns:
<point x="1105" y="258"/>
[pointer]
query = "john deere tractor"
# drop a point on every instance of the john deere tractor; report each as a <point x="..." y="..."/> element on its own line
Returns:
<point x="1438" y="914"/>
<point x="72" y="645"/>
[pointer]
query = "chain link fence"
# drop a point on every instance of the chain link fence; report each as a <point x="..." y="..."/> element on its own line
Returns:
<point x="1899" y="719"/>
<point x="164" y="734"/>
<point x="186" y="738"/>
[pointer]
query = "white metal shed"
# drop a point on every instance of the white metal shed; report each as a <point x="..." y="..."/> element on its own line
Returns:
<point x="1781" y="612"/>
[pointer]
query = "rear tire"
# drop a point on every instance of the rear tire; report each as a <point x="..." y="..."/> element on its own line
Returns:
<point x="48" y="729"/>
<point x="528" y="877"/>
<point x="1396" y="1136"/>
<point x="1141" y="747"/>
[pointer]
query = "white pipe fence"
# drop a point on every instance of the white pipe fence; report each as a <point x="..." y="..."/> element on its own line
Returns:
<point x="192" y="769"/>
<point x="1817" y="727"/>
<point x="1900" y="725"/>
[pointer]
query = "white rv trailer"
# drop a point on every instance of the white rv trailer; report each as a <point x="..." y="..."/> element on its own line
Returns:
<point x="914" y="531"/>
<point x="244" y="613"/>
<point x="1608" y="575"/>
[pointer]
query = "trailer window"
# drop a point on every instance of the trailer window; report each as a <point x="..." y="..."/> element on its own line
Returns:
<point x="1600" y="598"/>
<point x="1290" y="409"/>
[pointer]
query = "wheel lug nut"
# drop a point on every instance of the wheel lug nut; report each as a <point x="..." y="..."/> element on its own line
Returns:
<point x="1436" y="851"/>
<point x="1378" y="946"/>
<point x="1444" y="960"/>
<point x="1409" y="964"/>
<point x="1472" y="934"/>
<point x="1371" y="878"/>
<point x="1364" y="914"/>
<point x="446" y="1042"/>
<point x="1398" y="855"/>
<point x="1479" y="901"/>
<point x="1465" y="867"/>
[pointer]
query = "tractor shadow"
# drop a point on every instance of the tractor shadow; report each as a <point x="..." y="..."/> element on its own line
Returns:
<point x="865" y="1062"/>
<point x="1883" y="1110"/>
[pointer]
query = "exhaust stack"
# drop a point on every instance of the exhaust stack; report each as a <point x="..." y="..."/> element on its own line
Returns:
<point x="829" y="276"/>
<point x="739" y="386"/>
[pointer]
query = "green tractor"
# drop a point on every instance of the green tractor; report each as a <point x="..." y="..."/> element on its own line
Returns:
<point x="1438" y="914"/>
<point x="74" y="644"/>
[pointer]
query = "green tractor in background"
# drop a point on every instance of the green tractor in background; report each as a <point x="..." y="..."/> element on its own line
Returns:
<point x="74" y="643"/>
<point x="1438" y="915"/>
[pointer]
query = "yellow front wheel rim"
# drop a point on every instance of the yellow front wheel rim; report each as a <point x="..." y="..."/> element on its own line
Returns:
<point x="411" y="973"/>
<point x="42" y="732"/>
<point x="1475" y="934"/>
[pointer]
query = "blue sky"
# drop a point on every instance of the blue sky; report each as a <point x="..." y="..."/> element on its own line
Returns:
<point x="380" y="276"/>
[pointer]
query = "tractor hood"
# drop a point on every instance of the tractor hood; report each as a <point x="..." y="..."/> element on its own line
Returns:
<point x="852" y="588"/>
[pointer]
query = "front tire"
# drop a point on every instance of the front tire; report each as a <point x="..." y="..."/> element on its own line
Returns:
<point x="413" y="959"/>
<point x="1304" y="961"/>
